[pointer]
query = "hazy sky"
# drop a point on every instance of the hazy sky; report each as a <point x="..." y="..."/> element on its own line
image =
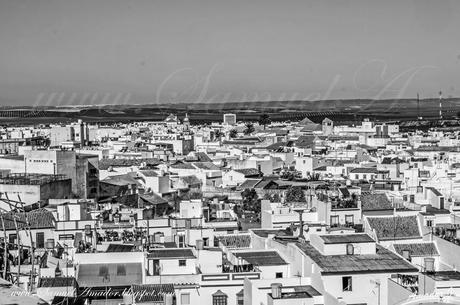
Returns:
<point x="65" y="52"/>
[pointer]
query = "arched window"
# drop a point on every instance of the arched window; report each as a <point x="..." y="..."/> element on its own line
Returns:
<point x="350" y="249"/>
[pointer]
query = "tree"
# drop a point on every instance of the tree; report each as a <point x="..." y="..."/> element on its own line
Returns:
<point x="295" y="194"/>
<point x="249" y="128"/>
<point x="218" y="134"/>
<point x="264" y="120"/>
<point x="251" y="200"/>
<point x="233" y="133"/>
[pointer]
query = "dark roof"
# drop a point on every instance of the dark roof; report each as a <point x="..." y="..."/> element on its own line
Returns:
<point x="383" y="261"/>
<point x="262" y="258"/>
<point x="153" y="198"/>
<point x="121" y="180"/>
<point x="191" y="180"/>
<point x="235" y="241"/>
<point x="266" y="232"/>
<point x="364" y="170"/>
<point x="249" y="183"/>
<point x="305" y="141"/>
<point x="395" y="227"/>
<point x="120" y="248"/>
<point x="181" y="253"/>
<point x="38" y="219"/>
<point x="417" y="249"/>
<point x="148" y="173"/>
<point x="57" y="282"/>
<point x="449" y="275"/>
<point x="152" y="292"/>
<point x="248" y="171"/>
<point x="375" y="201"/>
<point x="206" y="165"/>
<point x="388" y="160"/>
<point x="346" y="238"/>
<point x="104" y="164"/>
<point x="181" y="165"/>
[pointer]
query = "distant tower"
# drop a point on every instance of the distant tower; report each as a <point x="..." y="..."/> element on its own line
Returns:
<point x="186" y="122"/>
<point x="418" y="107"/>
<point x="440" y="105"/>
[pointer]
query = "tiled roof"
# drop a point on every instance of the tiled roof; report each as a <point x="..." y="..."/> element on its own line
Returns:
<point x="417" y="249"/>
<point x="180" y="165"/>
<point x="206" y="165"/>
<point x="152" y="198"/>
<point x="262" y="258"/>
<point x="152" y="292"/>
<point x="364" y="170"/>
<point x="235" y="241"/>
<point x="305" y="141"/>
<point x="104" y="164"/>
<point x="120" y="180"/>
<point x="190" y="180"/>
<point x="249" y="183"/>
<point x="248" y="171"/>
<point x="395" y="227"/>
<point x="148" y="173"/>
<point x="384" y="261"/>
<point x="56" y="282"/>
<point x="38" y="219"/>
<point x="375" y="201"/>
<point x="171" y="253"/>
<point x="120" y="248"/>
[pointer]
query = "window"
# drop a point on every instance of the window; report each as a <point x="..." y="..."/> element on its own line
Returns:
<point x="349" y="220"/>
<point x="219" y="298"/>
<point x="240" y="297"/>
<point x="356" y="176"/>
<point x="12" y="238"/>
<point x="334" y="221"/>
<point x="121" y="270"/>
<point x="103" y="270"/>
<point x="40" y="240"/>
<point x="65" y="236"/>
<point x="185" y="299"/>
<point x="346" y="283"/>
<point x="429" y="223"/>
<point x="279" y="275"/>
<point x="182" y="263"/>
<point x="350" y="249"/>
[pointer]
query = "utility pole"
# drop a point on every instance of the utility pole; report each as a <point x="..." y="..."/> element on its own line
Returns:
<point x="5" y="249"/>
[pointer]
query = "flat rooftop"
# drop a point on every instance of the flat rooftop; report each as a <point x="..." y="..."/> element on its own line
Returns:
<point x="179" y="253"/>
<point x="383" y="261"/>
<point x="346" y="239"/>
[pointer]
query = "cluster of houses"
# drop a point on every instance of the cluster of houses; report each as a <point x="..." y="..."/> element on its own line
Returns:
<point x="233" y="213"/>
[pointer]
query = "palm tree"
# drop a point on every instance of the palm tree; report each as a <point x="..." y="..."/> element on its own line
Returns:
<point x="218" y="134"/>
<point x="233" y="133"/>
<point x="264" y="120"/>
<point x="249" y="128"/>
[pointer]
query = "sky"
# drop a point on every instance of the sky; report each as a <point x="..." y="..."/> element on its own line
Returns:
<point x="60" y="52"/>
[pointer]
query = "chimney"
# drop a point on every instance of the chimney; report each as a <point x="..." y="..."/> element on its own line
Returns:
<point x="276" y="290"/>
<point x="301" y="236"/>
